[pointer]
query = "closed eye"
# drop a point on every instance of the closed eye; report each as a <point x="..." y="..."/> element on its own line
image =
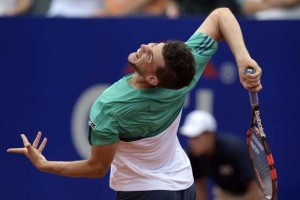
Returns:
<point x="150" y="57"/>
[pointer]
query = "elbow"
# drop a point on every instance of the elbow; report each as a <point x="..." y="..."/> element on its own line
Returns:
<point x="95" y="174"/>
<point x="217" y="17"/>
<point x="96" y="169"/>
<point x="98" y="172"/>
<point x="219" y="13"/>
<point x="222" y="11"/>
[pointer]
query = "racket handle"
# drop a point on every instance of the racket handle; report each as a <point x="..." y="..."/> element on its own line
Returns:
<point x="253" y="95"/>
<point x="253" y="98"/>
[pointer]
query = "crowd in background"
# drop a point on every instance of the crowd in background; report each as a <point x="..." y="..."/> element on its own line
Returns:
<point x="257" y="9"/>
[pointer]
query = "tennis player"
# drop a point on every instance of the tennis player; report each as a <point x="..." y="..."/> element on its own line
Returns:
<point x="133" y="124"/>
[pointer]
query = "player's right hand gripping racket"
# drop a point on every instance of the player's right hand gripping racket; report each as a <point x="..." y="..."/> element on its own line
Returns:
<point x="260" y="155"/>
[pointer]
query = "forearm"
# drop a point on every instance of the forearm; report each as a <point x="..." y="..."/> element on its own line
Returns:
<point x="221" y="24"/>
<point x="231" y="32"/>
<point x="81" y="168"/>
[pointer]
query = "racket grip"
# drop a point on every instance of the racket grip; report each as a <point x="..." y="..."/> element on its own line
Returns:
<point x="252" y="95"/>
<point x="253" y="98"/>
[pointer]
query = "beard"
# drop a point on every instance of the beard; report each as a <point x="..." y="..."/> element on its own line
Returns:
<point x="135" y="67"/>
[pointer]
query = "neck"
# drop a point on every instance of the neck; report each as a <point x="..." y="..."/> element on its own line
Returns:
<point x="139" y="82"/>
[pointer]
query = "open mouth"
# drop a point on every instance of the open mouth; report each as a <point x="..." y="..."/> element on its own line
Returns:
<point x="137" y="54"/>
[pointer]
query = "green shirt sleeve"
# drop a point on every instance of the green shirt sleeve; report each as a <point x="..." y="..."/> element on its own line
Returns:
<point x="203" y="48"/>
<point x="103" y="126"/>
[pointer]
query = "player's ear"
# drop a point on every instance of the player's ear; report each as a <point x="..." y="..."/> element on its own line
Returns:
<point x="152" y="79"/>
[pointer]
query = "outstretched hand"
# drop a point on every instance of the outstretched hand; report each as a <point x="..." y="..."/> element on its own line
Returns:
<point x="32" y="152"/>
<point x="250" y="81"/>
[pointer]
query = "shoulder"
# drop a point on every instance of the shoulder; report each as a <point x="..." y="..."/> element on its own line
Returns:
<point x="199" y="37"/>
<point x="202" y="44"/>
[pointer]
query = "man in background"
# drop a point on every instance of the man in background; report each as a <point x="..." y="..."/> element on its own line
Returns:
<point x="223" y="158"/>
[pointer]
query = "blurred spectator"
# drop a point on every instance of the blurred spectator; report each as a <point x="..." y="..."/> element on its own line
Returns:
<point x="39" y="7"/>
<point x="272" y="9"/>
<point x="173" y="9"/>
<point x="258" y="9"/>
<point x="14" y="7"/>
<point x="223" y="158"/>
<point x="133" y="7"/>
<point x="204" y="7"/>
<point x="103" y="8"/>
<point x="75" y="8"/>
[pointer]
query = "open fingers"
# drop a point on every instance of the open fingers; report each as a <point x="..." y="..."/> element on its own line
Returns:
<point x="20" y="150"/>
<point x="27" y="146"/>
<point x="37" y="140"/>
<point x="43" y="144"/>
<point x="16" y="150"/>
<point x="25" y="141"/>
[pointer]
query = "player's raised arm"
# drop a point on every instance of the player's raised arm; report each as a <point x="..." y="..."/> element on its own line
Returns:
<point x="221" y="24"/>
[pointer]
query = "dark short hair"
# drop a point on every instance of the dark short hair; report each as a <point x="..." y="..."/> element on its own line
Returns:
<point x="179" y="68"/>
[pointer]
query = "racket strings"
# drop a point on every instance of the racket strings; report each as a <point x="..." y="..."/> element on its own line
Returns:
<point x="261" y="164"/>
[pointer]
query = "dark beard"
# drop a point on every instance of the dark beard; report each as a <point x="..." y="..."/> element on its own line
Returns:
<point x="132" y="65"/>
<point x="135" y="67"/>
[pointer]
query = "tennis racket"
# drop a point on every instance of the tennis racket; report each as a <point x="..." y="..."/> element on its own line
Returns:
<point x="260" y="155"/>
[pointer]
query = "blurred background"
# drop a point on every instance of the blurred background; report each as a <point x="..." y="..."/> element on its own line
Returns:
<point x="57" y="56"/>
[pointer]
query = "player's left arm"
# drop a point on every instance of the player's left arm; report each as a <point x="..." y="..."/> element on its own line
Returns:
<point x="221" y="24"/>
<point x="95" y="166"/>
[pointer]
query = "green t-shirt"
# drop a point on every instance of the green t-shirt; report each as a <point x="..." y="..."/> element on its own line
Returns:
<point x="125" y="113"/>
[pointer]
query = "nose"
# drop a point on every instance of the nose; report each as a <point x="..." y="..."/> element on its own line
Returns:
<point x="145" y="48"/>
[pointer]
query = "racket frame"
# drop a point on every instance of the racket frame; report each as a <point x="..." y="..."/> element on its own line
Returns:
<point x="257" y="119"/>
